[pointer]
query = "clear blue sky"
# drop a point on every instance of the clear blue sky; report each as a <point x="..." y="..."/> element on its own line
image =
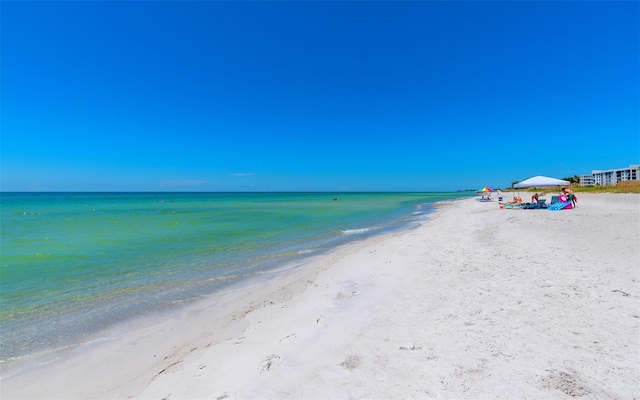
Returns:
<point x="327" y="96"/>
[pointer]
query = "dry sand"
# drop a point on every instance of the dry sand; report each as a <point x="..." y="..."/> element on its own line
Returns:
<point x="477" y="303"/>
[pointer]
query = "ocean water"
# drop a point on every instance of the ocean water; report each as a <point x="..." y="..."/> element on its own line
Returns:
<point x="72" y="264"/>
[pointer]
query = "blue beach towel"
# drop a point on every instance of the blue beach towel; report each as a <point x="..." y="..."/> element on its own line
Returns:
<point x="560" y="206"/>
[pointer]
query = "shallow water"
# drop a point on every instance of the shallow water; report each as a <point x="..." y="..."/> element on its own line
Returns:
<point x="74" y="263"/>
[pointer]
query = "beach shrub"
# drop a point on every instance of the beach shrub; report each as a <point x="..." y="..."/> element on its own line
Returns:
<point x="622" y="187"/>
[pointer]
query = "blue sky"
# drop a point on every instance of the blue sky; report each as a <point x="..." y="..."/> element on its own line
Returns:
<point x="315" y="96"/>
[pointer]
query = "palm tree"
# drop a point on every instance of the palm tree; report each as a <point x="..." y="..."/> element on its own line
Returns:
<point x="572" y="179"/>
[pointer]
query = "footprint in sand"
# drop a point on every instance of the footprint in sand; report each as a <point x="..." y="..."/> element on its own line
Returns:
<point x="570" y="384"/>
<point x="200" y="368"/>
<point x="342" y="296"/>
<point x="270" y="363"/>
<point x="351" y="362"/>
<point x="288" y="337"/>
<point x="414" y="347"/>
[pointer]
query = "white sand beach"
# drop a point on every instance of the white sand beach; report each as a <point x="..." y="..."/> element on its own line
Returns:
<point x="477" y="303"/>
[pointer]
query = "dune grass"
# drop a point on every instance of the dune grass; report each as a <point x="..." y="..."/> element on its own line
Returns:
<point x="622" y="187"/>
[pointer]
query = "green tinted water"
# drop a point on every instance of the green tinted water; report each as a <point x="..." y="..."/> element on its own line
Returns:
<point x="72" y="263"/>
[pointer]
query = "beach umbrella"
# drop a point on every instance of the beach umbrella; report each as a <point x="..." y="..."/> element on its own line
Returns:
<point x="486" y="189"/>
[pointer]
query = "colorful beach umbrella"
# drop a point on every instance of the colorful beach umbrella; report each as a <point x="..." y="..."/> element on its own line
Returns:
<point x="486" y="189"/>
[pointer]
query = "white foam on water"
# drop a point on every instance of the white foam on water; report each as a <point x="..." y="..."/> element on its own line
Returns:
<point x="357" y="231"/>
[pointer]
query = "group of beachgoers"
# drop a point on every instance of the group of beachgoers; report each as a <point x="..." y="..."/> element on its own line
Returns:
<point x="566" y="195"/>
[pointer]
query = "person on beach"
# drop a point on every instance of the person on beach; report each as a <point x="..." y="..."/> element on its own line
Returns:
<point x="570" y="195"/>
<point x="534" y="198"/>
<point x="516" y="200"/>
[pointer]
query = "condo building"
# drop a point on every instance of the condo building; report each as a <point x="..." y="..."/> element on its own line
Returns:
<point x="611" y="177"/>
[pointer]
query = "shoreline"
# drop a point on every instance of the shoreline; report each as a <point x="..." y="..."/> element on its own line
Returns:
<point x="160" y="255"/>
<point x="257" y="281"/>
<point x="460" y="307"/>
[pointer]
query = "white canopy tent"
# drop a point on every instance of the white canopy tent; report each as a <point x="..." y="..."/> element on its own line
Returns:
<point x="541" y="181"/>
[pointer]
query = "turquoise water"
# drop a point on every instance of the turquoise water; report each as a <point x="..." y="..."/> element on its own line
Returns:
<point x="74" y="263"/>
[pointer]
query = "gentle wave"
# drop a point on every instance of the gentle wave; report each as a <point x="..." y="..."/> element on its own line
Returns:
<point x="358" y="231"/>
<point x="301" y="252"/>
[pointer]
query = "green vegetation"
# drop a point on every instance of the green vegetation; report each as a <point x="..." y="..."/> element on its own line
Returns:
<point x="622" y="187"/>
<point x="575" y="180"/>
